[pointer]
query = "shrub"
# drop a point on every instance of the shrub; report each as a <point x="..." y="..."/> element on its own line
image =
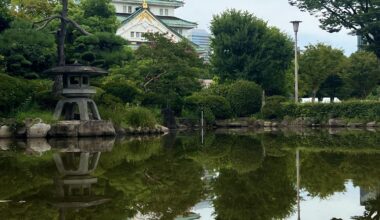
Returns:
<point x="369" y="110"/>
<point x="273" y="108"/>
<point x="245" y="98"/>
<point x="140" y="117"/>
<point x="122" y="89"/>
<point x="45" y="116"/>
<point x="218" y="105"/>
<point x="14" y="93"/>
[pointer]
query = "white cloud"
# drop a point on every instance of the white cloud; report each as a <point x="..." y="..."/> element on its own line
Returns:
<point x="276" y="12"/>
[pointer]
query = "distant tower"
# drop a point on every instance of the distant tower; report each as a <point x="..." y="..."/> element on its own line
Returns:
<point x="201" y="38"/>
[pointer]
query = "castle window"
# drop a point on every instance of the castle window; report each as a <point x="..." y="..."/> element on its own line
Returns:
<point x="132" y="34"/>
<point x="161" y="11"/>
<point x="124" y="9"/>
<point x="166" y="12"/>
<point x="129" y="9"/>
<point x="138" y="34"/>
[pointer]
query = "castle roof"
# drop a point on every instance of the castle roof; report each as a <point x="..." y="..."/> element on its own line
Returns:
<point x="170" y="21"/>
<point x="175" y="3"/>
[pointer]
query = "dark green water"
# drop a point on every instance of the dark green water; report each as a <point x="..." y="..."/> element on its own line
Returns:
<point x="231" y="175"/>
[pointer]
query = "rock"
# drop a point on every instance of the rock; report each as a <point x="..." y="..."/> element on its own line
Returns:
<point x="65" y="129"/>
<point x="355" y="125"/>
<point x="275" y="124"/>
<point x="267" y="124"/>
<point x="258" y="123"/>
<point x="96" y="129"/>
<point x="5" y="132"/>
<point x="372" y="124"/>
<point x="39" y="130"/>
<point x="336" y="123"/>
<point x="120" y="131"/>
<point x="5" y="144"/>
<point x="163" y="129"/>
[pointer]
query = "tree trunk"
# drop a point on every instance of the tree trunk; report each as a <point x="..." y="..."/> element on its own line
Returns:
<point x="58" y="81"/>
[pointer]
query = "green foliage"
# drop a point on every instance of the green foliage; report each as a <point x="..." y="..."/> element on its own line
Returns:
<point x="33" y="9"/>
<point x="362" y="110"/>
<point x="245" y="98"/>
<point x="362" y="73"/>
<point x="359" y="16"/>
<point x="27" y="56"/>
<point x="34" y="113"/>
<point x="5" y="16"/>
<point x="317" y="63"/>
<point x="97" y="16"/>
<point x="166" y="70"/>
<point x="246" y="48"/>
<point x="273" y="108"/>
<point x="14" y="93"/>
<point x="140" y="117"/>
<point x="101" y="49"/>
<point x="123" y="90"/>
<point x="218" y="105"/>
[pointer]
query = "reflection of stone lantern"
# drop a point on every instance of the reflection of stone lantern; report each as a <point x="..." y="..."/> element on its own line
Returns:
<point x="77" y="104"/>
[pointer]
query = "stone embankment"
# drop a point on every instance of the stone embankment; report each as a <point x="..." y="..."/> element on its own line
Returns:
<point x="38" y="129"/>
<point x="298" y="122"/>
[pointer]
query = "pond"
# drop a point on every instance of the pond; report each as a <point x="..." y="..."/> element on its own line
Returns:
<point x="223" y="174"/>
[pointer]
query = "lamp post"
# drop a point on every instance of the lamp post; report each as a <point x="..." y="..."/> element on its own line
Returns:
<point x="296" y="25"/>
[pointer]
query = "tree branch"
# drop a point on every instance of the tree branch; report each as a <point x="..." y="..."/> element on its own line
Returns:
<point x="47" y="21"/>
<point x="77" y="26"/>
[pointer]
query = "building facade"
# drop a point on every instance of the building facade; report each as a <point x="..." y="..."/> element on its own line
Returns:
<point x="152" y="16"/>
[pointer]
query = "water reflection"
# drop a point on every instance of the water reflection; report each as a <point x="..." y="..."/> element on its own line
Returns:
<point x="234" y="175"/>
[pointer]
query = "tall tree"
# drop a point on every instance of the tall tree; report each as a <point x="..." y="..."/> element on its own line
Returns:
<point x="61" y="35"/>
<point x="359" y="16"/>
<point x="363" y="73"/>
<point x="32" y="9"/>
<point x="317" y="63"/>
<point x="246" y="48"/>
<point x="5" y="17"/>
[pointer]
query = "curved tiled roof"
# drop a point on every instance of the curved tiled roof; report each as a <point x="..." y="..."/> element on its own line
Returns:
<point x="176" y="3"/>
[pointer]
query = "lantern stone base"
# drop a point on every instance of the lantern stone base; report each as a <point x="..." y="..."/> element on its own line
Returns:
<point x="83" y="109"/>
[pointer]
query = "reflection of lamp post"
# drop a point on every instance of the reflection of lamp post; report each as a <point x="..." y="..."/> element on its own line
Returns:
<point x="296" y="25"/>
<point x="298" y="183"/>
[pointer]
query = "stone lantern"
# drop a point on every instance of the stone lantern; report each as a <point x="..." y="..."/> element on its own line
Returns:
<point x="77" y="104"/>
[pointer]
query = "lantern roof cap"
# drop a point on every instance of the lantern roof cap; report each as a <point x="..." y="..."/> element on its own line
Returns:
<point x="76" y="69"/>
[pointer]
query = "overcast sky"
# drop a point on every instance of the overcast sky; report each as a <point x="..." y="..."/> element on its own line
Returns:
<point x="276" y="12"/>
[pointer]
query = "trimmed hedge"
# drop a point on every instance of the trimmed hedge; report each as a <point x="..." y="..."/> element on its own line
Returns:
<point x="362" y="110"/>
<point x="245" y="98"/>
<point x="218" y="105"/>
<point x="273" y="108"/>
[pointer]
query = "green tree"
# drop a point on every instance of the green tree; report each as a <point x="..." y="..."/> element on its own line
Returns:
<point x="5" y="17"/>
<point x="97" y="16"/>
<point x="33" y="9"/>
<point x="317" y="63"/>
<point x="363" y="73"/>
<point x="360" y="16"/>
<point x="167" y="71"/>
<point x="332" y="87"/>
<point x="245" y="47"/>
<point x="27" y="56"/>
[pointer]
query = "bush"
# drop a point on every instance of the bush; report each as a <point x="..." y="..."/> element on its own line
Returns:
<point x="122" y="89"/>
<point x="34" y="113"/>
<point x="218" y="105"/>
<point x="245" y="98"/>
<point x="14" y="93"/>
<point x="273" y="108"/>
<point x="368" y="110"/>
<point x="140" y="117"/>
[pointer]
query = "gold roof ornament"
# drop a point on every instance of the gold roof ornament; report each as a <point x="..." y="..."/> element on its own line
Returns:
<point x="145" y="5"/>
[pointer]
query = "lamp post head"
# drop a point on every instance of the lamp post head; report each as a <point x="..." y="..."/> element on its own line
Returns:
<point x="296" y="25"/>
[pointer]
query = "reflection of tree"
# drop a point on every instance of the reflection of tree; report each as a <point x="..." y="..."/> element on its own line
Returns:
<point x="241" y="153"/>
<point x="164" y="186"/>
<point x="321" y="174"/>
<point x="131" y="151"/>
<point x="266" y="193"/>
